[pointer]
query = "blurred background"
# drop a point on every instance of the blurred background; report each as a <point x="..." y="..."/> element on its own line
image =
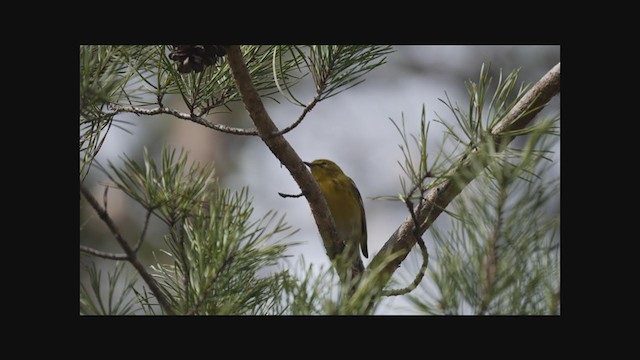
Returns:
<point x="353" y="129"/>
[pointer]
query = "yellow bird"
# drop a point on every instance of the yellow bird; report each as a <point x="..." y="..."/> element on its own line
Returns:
<point x="345" y="203"/>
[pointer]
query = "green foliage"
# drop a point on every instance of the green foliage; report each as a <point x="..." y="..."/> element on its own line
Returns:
<point x="310" y="294"/>
<point x="119" y="299"/>
<point x="171" y="191"/>
<point x="102" y="77"/>
<point x="217" y="257"/>
<point x="207" y="90"/>
<point x="417" y="169"/>
<point x="472" y="126"/>
<point x="319" y="292"/>
<point x="143" y="75"/>
<point x="501" y="255"/>
<point x="333" y="68"/>
<point x="222" y="260"/>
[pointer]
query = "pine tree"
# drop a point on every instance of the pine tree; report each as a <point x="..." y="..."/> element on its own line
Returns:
<point x="500" y="254"/>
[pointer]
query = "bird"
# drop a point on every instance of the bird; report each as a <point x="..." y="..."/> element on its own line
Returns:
<point x="345" y="204"/>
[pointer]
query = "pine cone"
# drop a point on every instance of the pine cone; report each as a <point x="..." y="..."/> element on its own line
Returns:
<point x="196" y="57"/>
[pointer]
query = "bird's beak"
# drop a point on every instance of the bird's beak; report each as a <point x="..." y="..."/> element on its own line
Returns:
<point x="308" y="164"/>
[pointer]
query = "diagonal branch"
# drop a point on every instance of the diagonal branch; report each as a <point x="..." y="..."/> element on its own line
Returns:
<point x="437" y="199"/>
<point x="114" y="256"/>
<point x="180" y="115"/>
<point x="103" y="254"/>
<point x="425" y="256"/>
<point x="281" y="148"/>
<point x="130" y="253"/>
<point x="144" y="231"/>
<point x="306" y="110"/>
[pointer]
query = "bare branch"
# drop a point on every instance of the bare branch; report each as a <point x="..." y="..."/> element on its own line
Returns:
<point x="104" y="197"/>
<point x="102" y="254"/>
<point x="423" y="250"/>
<point x="144" y="232"/>
<point x="287" y="156"/>
<point x="536" y="98"/>
<point x="290" y="195"/>
<point x="438" y="198"/>
<point x="130" y="254"/>
<point x="114" y="256"/>
<point x="306" y="110"/>
<point x="184" y="116"/>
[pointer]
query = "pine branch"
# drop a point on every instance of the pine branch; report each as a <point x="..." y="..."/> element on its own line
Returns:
<point x="103" y="254"/>
<point x="423" y="250"/>
<point x="144" y="231"/>
<point x="438" y="198"/>
<point x="205" y="292"/>
<point x="130" y="253"/>
<point x="306" y="110"/>
<point x="184" y="116"/>
<point x="114" y="256"/>
<point x="287" y="155"/>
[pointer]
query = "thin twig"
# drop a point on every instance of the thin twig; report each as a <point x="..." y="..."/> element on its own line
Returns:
<point x="197" y="119"/>
<point x="306" y="110"/>
<point x="131" y="255"/>
<point x="214" y="103"/>
<point x="418" y="237"/>
<point x="290" y="196"/>
<point x="104" y="197"/>
<point x="186" y="270"/>
<point x="423" y="250"/>
<point x="417" y="185"/>
<point x="102" y="254"/>
<point x="144" y="232"/>
<point x="115" y="256"/>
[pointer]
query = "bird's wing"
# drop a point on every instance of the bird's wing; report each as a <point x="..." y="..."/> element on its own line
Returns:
<point x="363" y="222"/>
